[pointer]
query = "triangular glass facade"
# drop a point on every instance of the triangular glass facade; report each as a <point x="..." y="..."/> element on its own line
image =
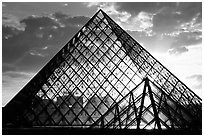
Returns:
<point x="103" y="78"/>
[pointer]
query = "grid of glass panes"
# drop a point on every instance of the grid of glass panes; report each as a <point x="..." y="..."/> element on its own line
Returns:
<point x="93" y="77"/>
<point x="96" y="74"/>
<point x="149" y="66"/>
<point x="169" y="116"/>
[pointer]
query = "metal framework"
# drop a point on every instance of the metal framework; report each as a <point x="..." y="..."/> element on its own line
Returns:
<point x="103" y="78"/>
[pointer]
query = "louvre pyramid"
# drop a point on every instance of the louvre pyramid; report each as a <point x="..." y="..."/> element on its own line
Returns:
<point x="103" y="78"/>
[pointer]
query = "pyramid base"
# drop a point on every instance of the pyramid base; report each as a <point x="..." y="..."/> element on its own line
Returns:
<point x="73" y="131"/>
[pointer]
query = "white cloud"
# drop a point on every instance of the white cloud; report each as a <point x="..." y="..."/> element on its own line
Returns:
<point x="177" y="12"/>
<point x="66" y="4"/>
<point x="8" y="36"/>
<point x="50" y="36"/>
<point x="185" y="65"/>
<point x="15" y="74"/>
<point x="35" y="53"/>
<point x="11" y="20"/>
<point x="193" y="25"/>
<point x="54" y="27"/>
<point x="44" y="48"/>
<point x="178" y="50"/>
<point x="145" y="21"/>
<point x="142" y="22"/>
<point x="90" y="4"/>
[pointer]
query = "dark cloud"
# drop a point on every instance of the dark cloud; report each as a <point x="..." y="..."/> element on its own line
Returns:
<point x="33" y="23"/>
<point x="189" y="9"/>
<point x="187" y="39"/>
<point x="60" y="15"/>
<point x="165" y="21"/>
<point x="9" y="31"/>
<point x="8" y="67"/>
<point x="79" y="20"/>
<point x="43" y="36"/>
<point x="169" y="18"/>
<point x="68" y="20"/>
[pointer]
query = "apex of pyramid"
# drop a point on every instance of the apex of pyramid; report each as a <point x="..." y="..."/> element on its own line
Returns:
<point x="101" y="10"/>
<point x="100" y="13"/>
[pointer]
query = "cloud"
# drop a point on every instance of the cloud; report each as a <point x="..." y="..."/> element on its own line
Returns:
<point x="9" y="31"/>
<point x="187" y="66"/>
<point x="143" y="21"/>
<point x="12" y="21"/>
<point x="36" y="53"/>
<point x="150" y="7"/>
<point x="197" y="77"/>
<point x="65" y="4"/>
<point x="196" y="80"/>
<point x="78" y="21"/>
<point x="164" y="15"/>
<point x="153" y="43"/>
<point x="39" y="41"/>
<point x="189" y="9"/>
<point x="176" y="25"/>
<point x="17" y="74"/>
<point x="170" y="9"/>
<point x="167" y="27"/>
<point x="34" y="22"/>
<point x="28" y="44"/>
<point x="64" y="19"/>
<point x="187" y="34"/>
<point x="178" y="50"/>
<point x="182" y="33"/>
<point x="165" y="20"/>
<point x="193" y="26"/>
<point x="90" y="4"/>
<point x="8" y="67"/>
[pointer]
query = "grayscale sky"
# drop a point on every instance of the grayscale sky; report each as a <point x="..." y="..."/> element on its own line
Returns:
<point x="32" y="33"/>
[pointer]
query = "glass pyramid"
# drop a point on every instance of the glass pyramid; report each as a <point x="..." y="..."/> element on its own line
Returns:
<point x="103" y="78"/>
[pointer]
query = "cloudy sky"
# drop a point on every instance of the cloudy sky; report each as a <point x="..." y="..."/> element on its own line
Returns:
<point x="32" y="33"/>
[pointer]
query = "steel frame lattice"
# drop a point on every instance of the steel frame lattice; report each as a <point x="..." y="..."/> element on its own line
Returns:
<point x="103" y="78"/>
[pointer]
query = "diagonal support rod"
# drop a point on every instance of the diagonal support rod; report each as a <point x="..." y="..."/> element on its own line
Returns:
<point x="118" y="115"/>
<point x="113" y="107"/>
<point x="153" y="104"/>
<point x="133" y="100"/>
<point x="141" y="106"/>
